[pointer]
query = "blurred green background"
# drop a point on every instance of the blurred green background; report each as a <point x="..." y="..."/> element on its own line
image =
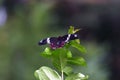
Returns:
<point x="28" y="21"/>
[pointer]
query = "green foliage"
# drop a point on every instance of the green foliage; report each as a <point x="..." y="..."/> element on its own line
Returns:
<point x="77" y="76"/>
<point x="77" y="61"/>
<point x="47" y="73"/>
<point x="72" y="30"/>
<point x="62" y="59"/>
<point x="76" y="45"/>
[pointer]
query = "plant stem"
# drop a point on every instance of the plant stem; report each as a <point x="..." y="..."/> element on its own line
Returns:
<point x="62" y="76"/>
<point x="61" y="64"/>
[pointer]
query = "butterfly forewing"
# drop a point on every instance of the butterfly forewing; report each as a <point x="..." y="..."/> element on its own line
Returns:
<point x="73" y="37"/>
<point x="43" y="42"/>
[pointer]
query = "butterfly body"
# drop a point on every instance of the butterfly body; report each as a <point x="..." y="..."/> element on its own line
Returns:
<point x="58" y="42"/>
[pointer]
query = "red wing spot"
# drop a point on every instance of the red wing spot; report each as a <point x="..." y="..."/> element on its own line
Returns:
<point x="52" y="46"/>
<point x="62" y="44"/>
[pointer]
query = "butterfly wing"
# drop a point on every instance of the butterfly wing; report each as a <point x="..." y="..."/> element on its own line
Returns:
<point x="52" y="41"/>
<point x="45" y="41"/>
<point x="73" y="37"/>
<point x="61" y="41"/>
<point x="67" y="38"/>
<point x="42" y="42"/>
<point x="57" y="42"/>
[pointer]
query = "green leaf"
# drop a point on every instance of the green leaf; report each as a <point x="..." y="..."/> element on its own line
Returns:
<point x="60" y="52"/>
<point x="69" y="54"/>
<point x="46" y="73"/>
<point x="77" y="40"/>
<point x="78" y="46"/>
<point x="47" y="52"/>
<point x="59" y="57"/>
<point x="67" y="70"/>
<point x="67" y="45"/>
<point x="72" y="30"/>
<point x="77" y="61"/>
<point x="77" y="76"/>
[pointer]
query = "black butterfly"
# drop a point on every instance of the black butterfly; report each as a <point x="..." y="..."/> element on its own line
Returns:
<point x="58" y="42"/>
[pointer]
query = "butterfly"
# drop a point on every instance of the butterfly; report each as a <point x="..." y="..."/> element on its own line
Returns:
<point x="58" y="42"/>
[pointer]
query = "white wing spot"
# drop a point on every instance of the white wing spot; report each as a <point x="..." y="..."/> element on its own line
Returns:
<point x="41" y="41"/>
<point x="48" y="40"/>
<point x="68" y="38"/>
<point x="75" y="35"/>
